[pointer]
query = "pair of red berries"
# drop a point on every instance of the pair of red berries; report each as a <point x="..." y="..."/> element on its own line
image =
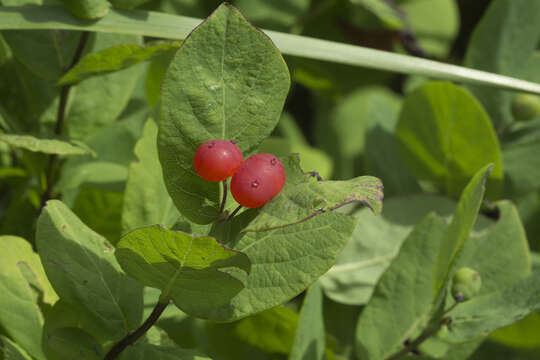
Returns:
<point x="254" y="181"/>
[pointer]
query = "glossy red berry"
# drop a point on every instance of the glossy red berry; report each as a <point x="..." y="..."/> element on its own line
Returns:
<point x="259" y="179"/>
<point x="216" y="160"/>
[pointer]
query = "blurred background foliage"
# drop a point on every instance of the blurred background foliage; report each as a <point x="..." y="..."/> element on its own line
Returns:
<point x="344" y="121"/>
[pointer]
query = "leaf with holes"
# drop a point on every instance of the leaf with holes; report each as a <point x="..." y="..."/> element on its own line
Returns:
<point x="227" y="81"/>
<point x="304" y="196"/>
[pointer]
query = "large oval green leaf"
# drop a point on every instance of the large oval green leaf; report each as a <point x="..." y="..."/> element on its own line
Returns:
<point x="83" y="270"/>
<point x="445" y="137"/>
<point x="227" y="81"/>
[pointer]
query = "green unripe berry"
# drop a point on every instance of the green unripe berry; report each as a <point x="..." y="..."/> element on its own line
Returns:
<point x="466" y="284"/>
<point x="525" y="106"/>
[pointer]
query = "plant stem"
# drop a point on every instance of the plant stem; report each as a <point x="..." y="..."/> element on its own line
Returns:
<point x="420" y="339"/>
<point x="59" y="126"/>
<point x="234" y="212"/>
<point x="132" y="337"/>
<point x="224" y="199"/>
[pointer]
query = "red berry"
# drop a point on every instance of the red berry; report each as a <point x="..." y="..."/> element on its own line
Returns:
<point x="259" y="179"/>
<point x="216" y="160"/>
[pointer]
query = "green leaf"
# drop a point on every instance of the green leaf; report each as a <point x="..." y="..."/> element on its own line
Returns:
<point x="272" y="330"/>
<point x="502" y="43"/>
<point x="383" y="11"/>
<point x="403" y="298"/>
<point x="375" y="242"/>
<point x="461" y="225"/>
<point x="454" y="139"/>
<point x="381" y="156"/>
<point x="87" y="9"/>
<point x="142" y="351"/>
<point x="146" y="201"/>
<point x="285" y="261"/>
<point x="521" y="334"/>
<point x="227" y="81"/>
<point x="500" y="252"/>
<point x="12" y="351"/>
<point x="114" y="147"/>
<point x="113" y="59"/>
<point x="303" y="197"/>
<point x="196" y="272"/>
<point x="481" y="315"/>
<point x="435" y="24"/>
<point x="278" y="14"/>
<point x="45" y="53"/>
<point x="522" y="176"/>
<point x="83" y="270"/>
<point x="178" y="27"/>
<point x="23" y="285"/>
<point x="99" y="101"/>
<point x="101" y="210"/>
<point x="309" y="342"/>
<point x="73" y="343"/>
<point x="64" y="316"/>
<point x="46" y="145"/>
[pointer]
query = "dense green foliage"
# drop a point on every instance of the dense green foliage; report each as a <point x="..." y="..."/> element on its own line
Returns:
<point x="113" y="247"/>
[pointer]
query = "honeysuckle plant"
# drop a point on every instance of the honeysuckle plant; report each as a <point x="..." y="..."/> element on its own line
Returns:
<point x="230" y="243"/>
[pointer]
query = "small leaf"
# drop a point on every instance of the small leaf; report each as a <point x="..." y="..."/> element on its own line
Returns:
<point x="227" y="81"/>
<point x="87" y="9"/>
<point x="461" y="225"/>
<point x="403" y="299"/>
<point x="47" y="145"/>
<point x="113" y="59"/>
<point x="454" y="139"/>
<point x="83" y="270"/>
<point x="146" y="200"/>
<point x="304" y="197"/>
<point x="309" y="342"/>
<point x="196" y="272"/>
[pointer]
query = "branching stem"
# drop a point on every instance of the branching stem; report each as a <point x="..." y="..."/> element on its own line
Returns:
<point x="132" y="337"/>
<point x="427" y="333"/>
<point x="234" y="212"/>
<point x="60" y="117"/>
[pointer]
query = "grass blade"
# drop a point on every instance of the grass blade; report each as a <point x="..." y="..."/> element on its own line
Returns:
<point x="169" y="26"/>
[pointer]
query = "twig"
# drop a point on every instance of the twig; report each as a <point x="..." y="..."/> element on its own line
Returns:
<point x="224" y="199"/>
<point x="132" y="337"/>
<point x="234" y="212"/>
<point x="420" y="339"/>
<point x="59" y="127"/>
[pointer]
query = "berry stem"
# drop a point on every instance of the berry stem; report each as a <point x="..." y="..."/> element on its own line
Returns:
<point x="132" y="337"/>
<point x="234" y="212"/>
<point x="224" y="199"/>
